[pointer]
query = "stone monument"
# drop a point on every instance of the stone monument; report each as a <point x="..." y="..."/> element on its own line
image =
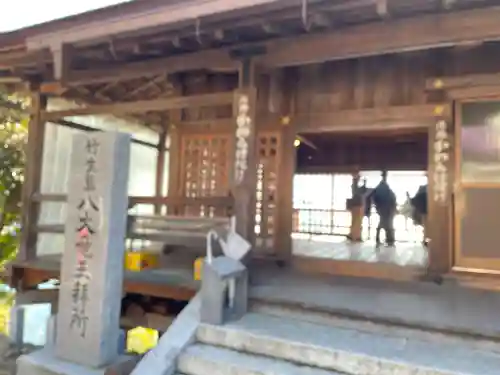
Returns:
<point x="88" y="319"/>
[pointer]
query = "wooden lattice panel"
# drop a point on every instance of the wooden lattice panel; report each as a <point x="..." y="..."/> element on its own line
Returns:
<point x="204" y="169"/>
<point x="268" y="150"/>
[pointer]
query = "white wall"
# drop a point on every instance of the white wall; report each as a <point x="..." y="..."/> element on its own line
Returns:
<point x="57" y="151"/>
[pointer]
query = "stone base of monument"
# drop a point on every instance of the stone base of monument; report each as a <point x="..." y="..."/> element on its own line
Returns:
<point x="44" y="362"/>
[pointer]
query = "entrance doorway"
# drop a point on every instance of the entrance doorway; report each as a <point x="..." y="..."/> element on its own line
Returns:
<point x="323" y="192"/>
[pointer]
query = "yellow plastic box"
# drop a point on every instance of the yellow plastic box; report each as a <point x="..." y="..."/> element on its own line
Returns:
<point x="137" y="261"/>
<point x="198" y="268"/>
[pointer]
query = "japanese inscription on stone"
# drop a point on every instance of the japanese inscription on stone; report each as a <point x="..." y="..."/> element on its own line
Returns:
<point x="92" y="264"/>
<point x="441" y="156"/>
<point x="87" y="226"/>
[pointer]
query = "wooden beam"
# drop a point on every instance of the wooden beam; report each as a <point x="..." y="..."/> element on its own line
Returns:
<point x="31" y="276"/>
<point x="11" y="79"/>
<point x="135" y="200"/>
<point x="212" y="59"/>
<point x="430" y="31"/>
<point x="424" y="32"/>
<point x="284" y="90"/>
<point x="55" y="88"/>
<point x="24" y="58"/>
<point x="468" y="80"/>
<point x="384" y="118"/>
<point x="160" y="169"/>
<point x="212" y="201"/>
<point x="62" y="57"/>
<point x="222" y="125"/>
<point x="162" y="104"/>
<point x="473" y="92"/>
<point x="176" y="168"/>
<point x="440" y="214"/>
<point x="244" y="169"/>
<point x="32" y="176"/>
<point x="30" y="297"/>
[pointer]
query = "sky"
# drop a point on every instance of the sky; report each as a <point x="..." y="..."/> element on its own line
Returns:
<point x="23" y="13"/>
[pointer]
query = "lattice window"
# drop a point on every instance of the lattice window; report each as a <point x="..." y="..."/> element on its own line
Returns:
<point x="205" y="166"/>
<point x="268" y="145"/>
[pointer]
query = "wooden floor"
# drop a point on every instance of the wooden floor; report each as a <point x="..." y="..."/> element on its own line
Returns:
<point x="175" y="277"/>
<point x="338" y="248"/>
<point x="173" y="280"/>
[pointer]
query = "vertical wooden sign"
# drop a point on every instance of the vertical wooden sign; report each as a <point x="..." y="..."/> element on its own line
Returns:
<point x="440" y="182"/>
<point x="245" y="160"/>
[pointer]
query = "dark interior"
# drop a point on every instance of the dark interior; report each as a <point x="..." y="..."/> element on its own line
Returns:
<point x="340" y="152"/>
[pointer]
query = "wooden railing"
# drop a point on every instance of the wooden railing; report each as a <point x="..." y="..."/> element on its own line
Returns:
<point x="321" y="221"/>
<point x="219" y="202"/>
<point x="176" y="230"/>
<point x="176" y="207"/>
<point x="332" y="222"/>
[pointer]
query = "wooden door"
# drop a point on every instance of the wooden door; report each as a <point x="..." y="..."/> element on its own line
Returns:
<point x="205" y="162"/>
<point x="477" y="188"/>
<point x="206" y="166"/>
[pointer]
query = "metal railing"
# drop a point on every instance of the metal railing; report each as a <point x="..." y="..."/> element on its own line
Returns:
<point x="334" y="222"/>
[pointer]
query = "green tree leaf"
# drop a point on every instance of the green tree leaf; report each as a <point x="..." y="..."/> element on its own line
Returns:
<point x="13" y="136"/>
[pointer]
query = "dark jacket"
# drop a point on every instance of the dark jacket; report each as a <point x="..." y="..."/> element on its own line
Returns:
<point x="419" y="203"/>
<point x="384" y="199"/>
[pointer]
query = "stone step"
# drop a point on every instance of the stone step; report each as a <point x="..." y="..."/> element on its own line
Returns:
<point x="348" y="350"/>
<point x="364" y="325"/>
<point x="199" y="359"/>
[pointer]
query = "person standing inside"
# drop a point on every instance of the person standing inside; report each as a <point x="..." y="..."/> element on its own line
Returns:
<point x="384" y="200"/>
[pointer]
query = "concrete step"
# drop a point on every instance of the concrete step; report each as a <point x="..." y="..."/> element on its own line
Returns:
<point x="199" y="359"/>
<point x="348" y="350"/>
<point x="336" y="320"/>
<point x="447" y="307"/>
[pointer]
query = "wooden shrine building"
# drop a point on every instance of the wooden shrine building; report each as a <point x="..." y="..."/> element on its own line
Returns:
<point x="362" y="84"/>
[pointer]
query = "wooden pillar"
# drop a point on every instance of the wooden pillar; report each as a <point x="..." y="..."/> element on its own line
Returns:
<point x="160" y="170"/>
<point x="244" y="171"/>
<point x="287" y="163"/>
<point x="175" y="151"/>
<point x="32" y="176"/>
<point x="440" y="171"/>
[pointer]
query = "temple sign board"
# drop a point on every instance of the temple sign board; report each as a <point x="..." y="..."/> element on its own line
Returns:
<point x="92" y="264"/>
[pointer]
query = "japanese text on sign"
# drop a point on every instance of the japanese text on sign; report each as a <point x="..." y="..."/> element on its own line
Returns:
<point x="243" y="122"/>
<point x="441" y="156"/>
